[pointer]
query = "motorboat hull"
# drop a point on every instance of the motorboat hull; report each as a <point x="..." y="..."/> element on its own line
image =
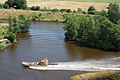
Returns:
<point x="36" y="64"/>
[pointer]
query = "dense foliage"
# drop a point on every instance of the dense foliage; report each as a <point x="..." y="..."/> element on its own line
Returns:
<point x="79" y="10"/>
<point x="17" y="4"/>
<point x="91" y="10"/>
<point x="96" y="32"/>
<point x="36" y="8"/>
<point x="113" y="13"/>
<point x="20" y="25"/>
<point x="10" y="36"/>
<point x="93" y="31"/>
<point x="1" y="6"/>
<point x="17" y="25"/>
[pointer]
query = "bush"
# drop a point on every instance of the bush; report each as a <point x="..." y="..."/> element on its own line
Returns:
<point x="118" y="22"/>
<point x="40" y="14"/>
<point x="91" y="10"/>
<point x="44" y="9"/>
<point x="84" y="12"/>
<point x="93" y="31"/>
<point x="6" y="6"/>
<point x="74" y="11"/>
<point x="36" y="8"/>
<point x="79" y="10"/>
<point x="55" y="10"/>
<point x="1" y="6"/>
<point x="24" y="23"/>
<point x="17" y="4"/>
<point x="113" y="12"/>
<point x="33" y="8"/>
<point x="2" y="46"/>
<point x="62" y="10"/>
<point x="10" y="36"/>
<point x="68" y="10"/>
<point x="103" y="13"/>
<point x="20" y="25"/>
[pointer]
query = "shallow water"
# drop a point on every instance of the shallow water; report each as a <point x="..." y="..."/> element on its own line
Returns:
<point x="47" y="39"/>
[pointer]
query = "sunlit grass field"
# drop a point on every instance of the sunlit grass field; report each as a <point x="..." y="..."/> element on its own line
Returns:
<point x="70" y="4"/>
<point x="47" y="16"/>
<point x="98" y="1"/>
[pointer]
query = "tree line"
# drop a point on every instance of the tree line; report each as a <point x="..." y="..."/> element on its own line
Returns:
<point x="17" y="25"/>
<point x="22" y="4"/>
<point x="100" y="31"/>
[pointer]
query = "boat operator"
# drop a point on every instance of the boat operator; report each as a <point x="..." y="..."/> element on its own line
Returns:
<point x="44" y="62"/>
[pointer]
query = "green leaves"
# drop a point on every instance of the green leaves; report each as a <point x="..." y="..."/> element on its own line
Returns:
<point x="71" y="26"/>
<point x="10" y="36"/>
<point x="17" y="4"/>
<point x="93" y="31"/>
<point x="91" y="10"/>
<point x="20" y="25"/>
<point x="113" y="13"/>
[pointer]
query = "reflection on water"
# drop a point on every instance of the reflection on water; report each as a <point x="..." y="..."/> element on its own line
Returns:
<point x="47" y="39"/>
<point x="83" y="53"/>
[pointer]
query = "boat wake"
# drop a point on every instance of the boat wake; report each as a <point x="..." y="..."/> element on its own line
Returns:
<point x="89" y="65"/>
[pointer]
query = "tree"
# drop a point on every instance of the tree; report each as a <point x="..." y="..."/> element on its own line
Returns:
<point x="6" y="6"/>
<point x="113" y="12"/>
<point x="68" y="10"/>
<point x="62" y="10"/>
<point x="20" y="24"/>
<point x="36" y="8"/>
<point x="103" y="13"/>
<point x="33" y="8"/>
<point x="79" y="10"/>
<point x="1" y="6"/>
<point x="91" y="10"/>
<point x="24" y="23"/>
<point x="17" y="4"/>
<point x="10" y="36"/>
<point x="93" y="31"/>
<point x="55" y="10"/>
<point x="71" y="27"/>
<point x="118" y="22"/>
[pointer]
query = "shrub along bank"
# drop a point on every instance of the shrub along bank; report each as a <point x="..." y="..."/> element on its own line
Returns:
<point x="102" y="32"/>
<point x="16" y="25"/>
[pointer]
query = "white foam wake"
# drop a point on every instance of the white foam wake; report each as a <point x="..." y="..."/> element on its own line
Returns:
<point x="90" y="65"/>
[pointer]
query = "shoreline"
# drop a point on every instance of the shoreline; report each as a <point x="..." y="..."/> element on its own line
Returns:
<point x="40" y="21"/>
<point x="103" y="75"/>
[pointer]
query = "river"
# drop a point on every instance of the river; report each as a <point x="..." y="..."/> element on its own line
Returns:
<point x="47" y="39"/>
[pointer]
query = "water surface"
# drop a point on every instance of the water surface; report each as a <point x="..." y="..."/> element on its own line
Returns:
<point x="47" y="39"/>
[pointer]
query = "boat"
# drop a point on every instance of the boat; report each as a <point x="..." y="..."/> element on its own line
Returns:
<point x="42" y="63"/>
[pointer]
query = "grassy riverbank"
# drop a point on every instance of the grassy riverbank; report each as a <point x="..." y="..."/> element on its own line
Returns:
<point x="105" y="75"/>
<point x="39" y="15"/>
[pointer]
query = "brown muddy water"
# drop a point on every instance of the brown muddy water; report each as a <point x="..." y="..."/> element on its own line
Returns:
<point x="47" y="39"/>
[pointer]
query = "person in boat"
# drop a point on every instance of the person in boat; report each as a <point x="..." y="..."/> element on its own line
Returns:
<point x="44" y="62"/>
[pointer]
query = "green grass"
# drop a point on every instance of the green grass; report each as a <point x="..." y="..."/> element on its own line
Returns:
<point x="105" y="75"/>
<point x="98" y="1"/>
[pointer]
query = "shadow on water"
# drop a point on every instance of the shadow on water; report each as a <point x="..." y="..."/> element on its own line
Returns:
<point x="74" y="51"/>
